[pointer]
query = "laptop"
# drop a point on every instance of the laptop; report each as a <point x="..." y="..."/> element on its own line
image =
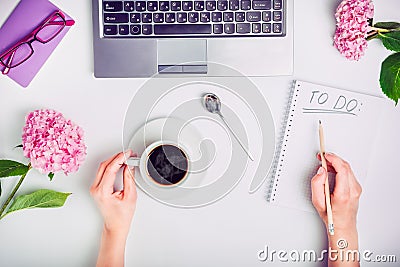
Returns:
<point x="191" y="37"/>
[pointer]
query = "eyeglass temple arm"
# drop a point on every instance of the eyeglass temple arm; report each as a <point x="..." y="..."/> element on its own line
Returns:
<point x="7" y="69"/>
<point x="67" y="22"/>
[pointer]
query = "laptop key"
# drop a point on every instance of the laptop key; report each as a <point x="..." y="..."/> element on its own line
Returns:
<point x="140" y="6"/>
<point x="164" y="6"/>
<point x="277" y="15"/>
<point x="158" y="17"/>
<point x="147" y="17"/>
<point x="199" y="5"/>
<point x="222" y="5"/>
<point x="135" y="17"/>
<point x="266" y="27"/>
<point x="176" y="6"/>
<point x="151" y="5"/>
<point x="218" y="28"/>
<point x="216" y="17"/>
<point x="116" y="17"/>
<point x="205" y="17"/>
<point x="262" y="5"/>
<point x="181" y="17"/>
<point x="168" y="29"/>
<point x="243" y="27"/>
<point x="266" y="16"/>
<point x="211" y="5"/>
<point x="112" y="6"/>
<point x="129" y="6"/>
<point x="253" y="16"/>
<point x="256" y="28"/>
<point x="246" y="5"/>
<point x="123" y="29"/>
<point x="277" y="4"/>
<point x="170" y="17"/>
<point x="147" y="29"/>
<point x="228" y="16"/>
<point x="110" y="29"/>
<point x="277" y="28"/>
<point x="135" y="29"/>
<point x="187" y="6"/>
<point x="234" y="5"/>
<point x="229" y="28"/>
<point x="239" y="16"/>
<point x="193" y="17"/>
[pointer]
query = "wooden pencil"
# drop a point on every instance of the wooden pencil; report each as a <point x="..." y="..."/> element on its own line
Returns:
<point x="331" y="229"/>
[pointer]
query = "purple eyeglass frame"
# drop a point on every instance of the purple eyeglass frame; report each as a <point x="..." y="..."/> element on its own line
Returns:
<point x="31" y="37"/>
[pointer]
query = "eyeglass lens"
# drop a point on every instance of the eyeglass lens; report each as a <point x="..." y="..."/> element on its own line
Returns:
<point x="44" y="35"/>
<point x="17" y="55"/>
<point x="51" y="29"/>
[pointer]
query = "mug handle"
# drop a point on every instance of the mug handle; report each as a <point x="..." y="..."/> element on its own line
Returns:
<point x="133" y="162"/>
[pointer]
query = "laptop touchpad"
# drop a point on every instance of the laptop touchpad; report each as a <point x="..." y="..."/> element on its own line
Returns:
<point x="182" y="56"/>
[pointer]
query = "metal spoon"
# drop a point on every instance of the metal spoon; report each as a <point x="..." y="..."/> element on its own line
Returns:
<point x="213" y="104"/>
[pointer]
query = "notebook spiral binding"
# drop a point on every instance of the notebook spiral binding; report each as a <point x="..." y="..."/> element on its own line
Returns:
<point x="280" y="148"/>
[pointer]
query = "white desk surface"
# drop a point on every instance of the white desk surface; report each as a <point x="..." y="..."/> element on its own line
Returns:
<point x="227" y="233"/>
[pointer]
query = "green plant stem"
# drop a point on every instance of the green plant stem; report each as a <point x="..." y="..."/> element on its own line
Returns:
<point x="3" y="208"/>
<point x="379" y="29"/>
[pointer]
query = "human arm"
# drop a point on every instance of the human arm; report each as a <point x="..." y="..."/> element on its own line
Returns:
<point x="344" y="200"/>
<point x="116" y="207"/>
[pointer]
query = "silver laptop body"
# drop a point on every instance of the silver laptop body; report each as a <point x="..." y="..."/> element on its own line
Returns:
<point x="145" y="57"/>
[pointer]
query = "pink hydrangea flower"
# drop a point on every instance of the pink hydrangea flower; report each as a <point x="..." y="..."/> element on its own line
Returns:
<point x="52" y="142"/>
<point x="352" y="26"/>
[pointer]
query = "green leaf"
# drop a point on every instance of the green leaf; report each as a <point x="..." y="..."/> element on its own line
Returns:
<point x="43" y="198"/>
<point x="391" y="40"/>
<point x="12" y="168"/>
<point x="50" y="175"/>
<point x="390" y="77"/>
<point x="387" y="25"/>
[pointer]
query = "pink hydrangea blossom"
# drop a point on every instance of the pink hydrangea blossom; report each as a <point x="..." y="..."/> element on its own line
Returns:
<point x="352" y="26"/>
<point x="52" y="142"/>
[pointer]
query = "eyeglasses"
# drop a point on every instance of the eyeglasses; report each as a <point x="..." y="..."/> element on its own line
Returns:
<point x="44" y="33"/>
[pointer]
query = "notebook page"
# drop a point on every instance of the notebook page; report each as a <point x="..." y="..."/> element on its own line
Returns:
<point x="350" y="123"/>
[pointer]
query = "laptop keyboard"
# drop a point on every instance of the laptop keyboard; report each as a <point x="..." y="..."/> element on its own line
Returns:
<point x="221" y="18"/>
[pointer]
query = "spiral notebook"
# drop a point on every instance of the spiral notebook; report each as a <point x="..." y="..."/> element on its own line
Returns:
<point x="350" y="122"/>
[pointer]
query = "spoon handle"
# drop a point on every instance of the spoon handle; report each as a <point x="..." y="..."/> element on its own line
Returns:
<point x="236" y="137"/>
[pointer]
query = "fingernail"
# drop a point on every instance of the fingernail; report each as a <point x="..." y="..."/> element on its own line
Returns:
<point x="329" y="153"/>
<point x="320" y="170"/>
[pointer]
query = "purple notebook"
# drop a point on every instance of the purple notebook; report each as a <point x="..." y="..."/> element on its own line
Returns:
<point x="26" y="16"/>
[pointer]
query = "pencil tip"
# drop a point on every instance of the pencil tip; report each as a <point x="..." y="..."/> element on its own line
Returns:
<point x="319" y="121"/>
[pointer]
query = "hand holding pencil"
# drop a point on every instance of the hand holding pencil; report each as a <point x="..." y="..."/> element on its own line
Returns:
<point x="345" y="195"/>
<point x="331" y="228"/>
<point x="344" y="201"/>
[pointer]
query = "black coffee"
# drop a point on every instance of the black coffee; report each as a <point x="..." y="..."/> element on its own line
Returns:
<point x="167" y="164"/>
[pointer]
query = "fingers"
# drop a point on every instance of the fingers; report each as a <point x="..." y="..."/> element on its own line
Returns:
<point x="101" y="170"/>
<point x="108" y="169"/>
<point x="318" y="190"/>
<point x="329" y="166"/>
<point x="113" y="167"/>
<point x="129" y="183"/>
<point x="343" y="177"/>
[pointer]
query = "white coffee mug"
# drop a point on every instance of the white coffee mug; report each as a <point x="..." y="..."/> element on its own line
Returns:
<point x="143" y="164"/>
